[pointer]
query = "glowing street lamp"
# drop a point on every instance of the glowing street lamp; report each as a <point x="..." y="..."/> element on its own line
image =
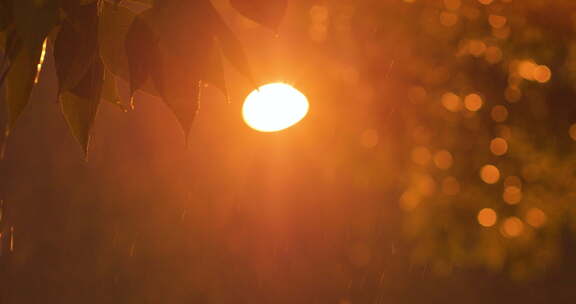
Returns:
<point x="274" y="107"/>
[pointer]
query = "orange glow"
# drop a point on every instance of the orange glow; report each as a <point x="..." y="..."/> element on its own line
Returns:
<point x="451" y="102"/>
<point x="572" y="131"/>
<point x="274" y="107"/>
<point x="473" y="102"/>
<point x="490" y="174"/>
<point x="443" y="159"/>
<point x="498" y="146"/>
<point x="526" y="69"/>
<point x="476" y="48"/>
<point x="493" y="54"/>
<point x="535" y="217"/>
<point x="542" y="74"/>
<point x="409" y="200"/>
<point x="499" y="113"/>
<point x="487" y="217"/>
<point x="512" y="195"/>
<point x="497" y="21"/>
<point x="448" y="19"/>
<point x="421" y="156"/>
<point x="512" y="227"/>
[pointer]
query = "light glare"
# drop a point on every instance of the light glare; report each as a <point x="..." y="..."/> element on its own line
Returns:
<point x="274" y="107"/>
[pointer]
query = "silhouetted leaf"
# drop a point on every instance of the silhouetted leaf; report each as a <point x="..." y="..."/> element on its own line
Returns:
<point x="234" y="52"/>
<point x="143" y="54"/>
<point x="32" y="22"/>
<point x="186" y="54"/>
<point x="33" y="19"/>
<point x="231" y="47"/>
<point x="79" y="29"/>
<point x="72" y="62"/>
<point x="110" y="90"/>
<point x="215" y="75"/>
<point x="20" y="78"/>
<point x="113" y="26"/>
<point x="80" y="104"/>
<point x="266" y="12"/>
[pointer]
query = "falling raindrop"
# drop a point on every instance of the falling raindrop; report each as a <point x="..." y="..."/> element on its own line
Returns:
<point x="12" y="239"/>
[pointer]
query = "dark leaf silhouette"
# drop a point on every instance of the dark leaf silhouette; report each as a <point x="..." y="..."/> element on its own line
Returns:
<point x="19" y="79"/>
<point x="232" y="49"/>
<point x="266" y="12"/>
<point x="33" y="20"/>
<point x="71" y="61"/>
<point x="80" y="104"/>
<point x="113" y="26"/>
<point x="110" y="90"/>
<point x="31" y="24"/>
<point x="215" y="74"/>
<point x="143" y="54"/>
<point x="79" y="69"/>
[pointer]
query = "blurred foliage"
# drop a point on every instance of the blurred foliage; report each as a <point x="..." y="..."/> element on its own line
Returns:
<point x="486" y="91"/>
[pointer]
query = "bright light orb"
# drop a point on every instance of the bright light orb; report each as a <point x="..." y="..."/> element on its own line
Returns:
<point x="274" y="107"/>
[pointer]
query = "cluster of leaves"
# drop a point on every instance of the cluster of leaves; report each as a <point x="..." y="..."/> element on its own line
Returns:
<point x="169" y="50"/>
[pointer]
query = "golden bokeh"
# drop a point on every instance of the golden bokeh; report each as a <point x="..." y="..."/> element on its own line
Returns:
<point x="512" y="195"/>
<point x="498" y="146"/>
<point x="496" y="21"/>
<point x="473" y="102"/>
<point x="542" y="74"/>
<point x="421" y="155"/>
<point x="512" y="227"/>
<point x="451" y="102"/>
<point x="499" y="113"/>
<point x="487" y="217"/>
<point x="489" y="174"/>
<point x="452" y="5"/>
<point x="410" y="200"/>
<point x="443" y="159"/>
<point x="526" y="69"/>
<point x="424" y="184"/>
<point x="448" y="19"/>
<point x="476" y="48"/>
<point x="493" y="54"/>
<point x="417" y="94"/>
<point x="572" y="131"/>
<point x="535" y="217"/>
<point x="319" y="17"/>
